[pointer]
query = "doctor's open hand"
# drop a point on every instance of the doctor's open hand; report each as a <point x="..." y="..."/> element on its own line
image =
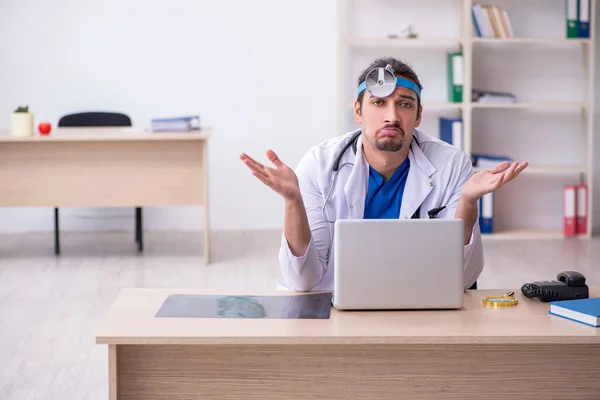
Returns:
<point x="281" y="178"/>
<point x="487" y="181"/>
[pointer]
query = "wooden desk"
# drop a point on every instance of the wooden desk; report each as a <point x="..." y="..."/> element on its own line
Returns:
<point x="106" y="167"/>
<point x="478" y="353"/>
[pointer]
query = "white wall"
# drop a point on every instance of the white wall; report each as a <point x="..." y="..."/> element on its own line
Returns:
<point x="260" y="79"/>
<point x="153" y="58"/>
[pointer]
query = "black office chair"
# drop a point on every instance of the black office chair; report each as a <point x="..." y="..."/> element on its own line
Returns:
<point x="97" y="119"/>
<point x="474" y="286"/>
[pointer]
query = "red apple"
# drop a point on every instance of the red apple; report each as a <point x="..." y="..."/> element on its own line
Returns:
<point x="45" y="128"/>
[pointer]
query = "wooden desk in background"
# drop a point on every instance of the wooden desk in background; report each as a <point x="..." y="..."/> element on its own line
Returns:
<point x="106" y="167"/>
<point x="519" y="352"/>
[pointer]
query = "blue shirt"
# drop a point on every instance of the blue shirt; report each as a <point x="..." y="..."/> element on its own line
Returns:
<point x="385" y="198"/>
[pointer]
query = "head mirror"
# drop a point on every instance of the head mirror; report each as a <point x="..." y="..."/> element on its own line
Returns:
<point x="381" y="82"/>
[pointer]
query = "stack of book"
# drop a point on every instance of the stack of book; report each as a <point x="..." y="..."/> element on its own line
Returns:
<point x="175" y="124"/>
<point x="492" y="22"/>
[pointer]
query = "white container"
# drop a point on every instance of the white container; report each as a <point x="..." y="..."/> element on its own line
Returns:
<point x="22" y="124"/>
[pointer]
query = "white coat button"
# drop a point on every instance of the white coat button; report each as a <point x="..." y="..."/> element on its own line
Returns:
<point x="431" y="183"/>
<point x="351" y="206"/>
<point x="405" y="217"/>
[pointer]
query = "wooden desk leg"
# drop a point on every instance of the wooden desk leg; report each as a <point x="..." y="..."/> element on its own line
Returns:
<point x="206" y="210"/>
<point x="113" y="387"/>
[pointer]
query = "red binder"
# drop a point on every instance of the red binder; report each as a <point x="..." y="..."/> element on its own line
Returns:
<point x="570" y="210"/>
<point x="582" y="209"/>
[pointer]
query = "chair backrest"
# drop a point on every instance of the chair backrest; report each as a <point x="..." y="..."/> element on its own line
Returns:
<point x="90" y="119"/>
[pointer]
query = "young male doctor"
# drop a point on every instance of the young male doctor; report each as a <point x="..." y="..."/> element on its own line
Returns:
<point x="387" y="169"/>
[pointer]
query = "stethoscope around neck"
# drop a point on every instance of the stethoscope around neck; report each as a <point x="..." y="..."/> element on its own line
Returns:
<point x="337" y="166"/>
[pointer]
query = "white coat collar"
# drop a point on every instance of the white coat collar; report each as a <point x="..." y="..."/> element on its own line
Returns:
<point x="418" y="183"/>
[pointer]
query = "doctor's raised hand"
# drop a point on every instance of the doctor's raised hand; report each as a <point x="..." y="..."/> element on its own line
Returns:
<point x="487" y="181"/>
<point x="482" y="183"/>
<point x="283" y="180"/>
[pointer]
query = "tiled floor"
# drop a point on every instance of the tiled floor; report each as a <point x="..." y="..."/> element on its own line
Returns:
<point x="49" y="306"/>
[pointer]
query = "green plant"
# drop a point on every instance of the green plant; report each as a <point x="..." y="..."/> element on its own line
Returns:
<point x="22" y="109"/>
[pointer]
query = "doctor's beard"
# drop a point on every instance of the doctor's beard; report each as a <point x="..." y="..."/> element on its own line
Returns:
<point x="389" y="143"/>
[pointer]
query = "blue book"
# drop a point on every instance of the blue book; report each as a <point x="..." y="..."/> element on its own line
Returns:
<point x="475" y="22"/>
<point x="586" y="311"/>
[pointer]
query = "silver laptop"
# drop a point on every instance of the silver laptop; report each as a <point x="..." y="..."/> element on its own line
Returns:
<point x="398" y="264"/>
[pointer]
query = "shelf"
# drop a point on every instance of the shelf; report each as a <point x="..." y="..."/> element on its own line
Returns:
<point x="426" y="105"/>
<point x="550" y="105"/>
<point x="383" y="42"/>
<point x="441" y="104"/>
<point x="519" y="234"/>
<point x="528" y="113"/>
<point x="508" y="106"/>
<point x="549" y="170"/>
<point x="555" y="170"/>
<point x="525" y="40"/>
<point x="378" y="42"/>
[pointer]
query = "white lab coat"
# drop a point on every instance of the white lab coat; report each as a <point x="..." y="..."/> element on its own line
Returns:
<point x="432" y="161"/>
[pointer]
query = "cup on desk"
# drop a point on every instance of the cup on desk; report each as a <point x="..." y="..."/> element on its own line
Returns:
<point x="22" y="123"/>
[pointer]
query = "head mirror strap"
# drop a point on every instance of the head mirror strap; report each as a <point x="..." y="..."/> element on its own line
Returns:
<point x="399" y="82"/>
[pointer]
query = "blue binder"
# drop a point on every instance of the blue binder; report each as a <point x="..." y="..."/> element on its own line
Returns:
<point x="583" y="23"/>
<point x="486" y="213"/>
<point x="451" y="131"/>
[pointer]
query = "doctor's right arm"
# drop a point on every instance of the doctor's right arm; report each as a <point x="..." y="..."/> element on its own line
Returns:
<point x="305" y="241"/>
<point x="303" y="270"/>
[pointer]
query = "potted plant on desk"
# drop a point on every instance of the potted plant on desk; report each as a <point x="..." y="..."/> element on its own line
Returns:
<point x="22" y="122"/>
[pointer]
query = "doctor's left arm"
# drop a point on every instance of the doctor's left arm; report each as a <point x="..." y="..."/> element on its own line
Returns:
<point x="304" y="271"/>
<point x="473" y="249"/>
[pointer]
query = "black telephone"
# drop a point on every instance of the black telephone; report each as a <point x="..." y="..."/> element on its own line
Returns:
<point x="569" y="285"/>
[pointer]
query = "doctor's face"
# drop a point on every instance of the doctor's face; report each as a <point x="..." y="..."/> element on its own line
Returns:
<point x="388" y="123"/>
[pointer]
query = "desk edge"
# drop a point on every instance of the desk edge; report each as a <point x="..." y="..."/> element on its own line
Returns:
<point x="371" y="340"/>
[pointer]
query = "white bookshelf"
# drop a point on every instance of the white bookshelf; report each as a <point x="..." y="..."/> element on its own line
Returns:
<point x="544" y="33"/>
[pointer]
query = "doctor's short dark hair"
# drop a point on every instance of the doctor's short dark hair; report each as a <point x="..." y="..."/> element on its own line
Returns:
<point x="400" y="69"/>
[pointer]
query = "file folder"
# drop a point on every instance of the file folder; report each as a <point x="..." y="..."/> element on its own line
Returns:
<point x="486" y="213"/>
<point x="455" y="77"/>
<point x="570" y="210"/>
<point x="584" y="19"/>
<point x="451" y="131"/>
<point x="572" y="17"/>
<point x="582" y="209"/>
